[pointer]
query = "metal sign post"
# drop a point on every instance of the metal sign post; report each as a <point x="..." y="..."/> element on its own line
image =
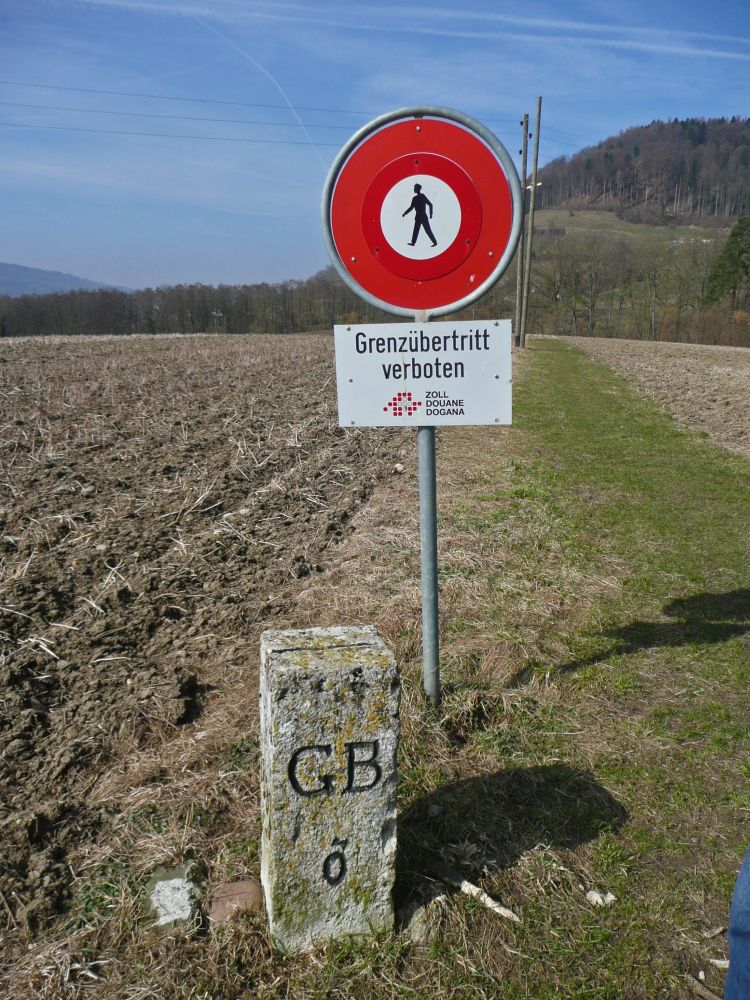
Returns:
<point x="428" y="536"/>
<point x="422" y="212"/>
<point x="458" y="373"/>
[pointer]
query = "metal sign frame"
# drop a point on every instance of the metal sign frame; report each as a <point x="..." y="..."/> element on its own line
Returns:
<point x="495" y="147"/>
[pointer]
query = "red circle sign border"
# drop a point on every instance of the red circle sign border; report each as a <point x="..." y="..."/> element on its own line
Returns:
<point x="426" y="136"/>
<point x="458" y="180"/>
<point x="419" y="131"/>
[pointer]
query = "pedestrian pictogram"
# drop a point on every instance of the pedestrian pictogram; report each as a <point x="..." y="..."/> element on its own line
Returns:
<point x="419" y="218"/>
<point x="422" y="211"/>
<point x="419" y="205"/>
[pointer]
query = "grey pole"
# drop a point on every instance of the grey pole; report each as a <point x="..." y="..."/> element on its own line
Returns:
<point x="530" y="237"/>
<point x="428" y="533"/>
<point x="429" y="561"/>
<point x="519" y="251"/>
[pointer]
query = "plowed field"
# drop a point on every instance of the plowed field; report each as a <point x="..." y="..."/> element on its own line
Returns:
<point x="160" y="501"/>
<point x="707" y="388"/>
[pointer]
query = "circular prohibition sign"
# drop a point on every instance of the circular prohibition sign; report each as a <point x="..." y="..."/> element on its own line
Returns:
<point x="422" y="211"/>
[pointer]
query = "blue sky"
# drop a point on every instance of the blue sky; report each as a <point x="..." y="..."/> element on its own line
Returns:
<point x="201" y="205"/>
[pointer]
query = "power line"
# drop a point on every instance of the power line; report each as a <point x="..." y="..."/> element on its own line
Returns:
<point x="196" y="118"/>
<point x="179" y="118"/>
<point x="561" y="142"/>
<point x="173" y="135"/>
<point x="165" y="135"/>
<point x="206" y="100"/>
<point x="165" y="97"/>
<point x="573" y="135"/>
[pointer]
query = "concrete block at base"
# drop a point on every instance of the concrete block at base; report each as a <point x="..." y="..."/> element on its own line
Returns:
<point x="173" y="897"/>
<point x="329" y="737"/>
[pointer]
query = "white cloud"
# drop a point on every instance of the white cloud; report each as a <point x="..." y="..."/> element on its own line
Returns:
<point x="416" y="20"/>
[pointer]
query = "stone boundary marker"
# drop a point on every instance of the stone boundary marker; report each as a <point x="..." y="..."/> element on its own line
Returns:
<point x="329" y="710"/>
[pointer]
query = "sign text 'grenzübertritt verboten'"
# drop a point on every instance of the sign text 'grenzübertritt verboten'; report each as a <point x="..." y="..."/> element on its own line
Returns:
<point x="411" y="374"/>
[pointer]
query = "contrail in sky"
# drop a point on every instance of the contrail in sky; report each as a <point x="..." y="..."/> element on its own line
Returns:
<point x="557" y="31"/>
<point x="271" y="77"/>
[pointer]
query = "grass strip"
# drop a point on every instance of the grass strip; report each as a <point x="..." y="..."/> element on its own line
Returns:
<point x="653" y="681"/>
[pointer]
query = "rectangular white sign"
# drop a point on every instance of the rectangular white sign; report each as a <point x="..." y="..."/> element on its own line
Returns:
<point x="424" y="374"/>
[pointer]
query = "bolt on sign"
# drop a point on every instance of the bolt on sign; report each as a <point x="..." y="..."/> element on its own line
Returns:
<point x="329" y="733"/>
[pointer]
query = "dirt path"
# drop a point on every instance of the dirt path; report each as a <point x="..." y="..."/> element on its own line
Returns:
<point x="707" y="388"/>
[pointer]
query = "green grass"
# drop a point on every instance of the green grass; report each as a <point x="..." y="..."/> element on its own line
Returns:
<point x="634" y="724"/>
<point x="659" y="679"/>
<point x="586" y="222"/>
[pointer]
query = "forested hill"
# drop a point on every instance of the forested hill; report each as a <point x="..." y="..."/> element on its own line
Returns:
<point x="696" y="168"/>
<point x="18" y="280"/>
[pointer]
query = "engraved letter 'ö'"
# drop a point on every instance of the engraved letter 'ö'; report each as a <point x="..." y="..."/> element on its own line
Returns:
<point x="334" y="866"/>
<point x="326" y="780"/>
<point x="353" y="764"/>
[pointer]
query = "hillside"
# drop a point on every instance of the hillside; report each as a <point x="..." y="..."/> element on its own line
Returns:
<point x="601" y="274"/>
<point x="692" y="169"/>
<point x="16" y="280"/>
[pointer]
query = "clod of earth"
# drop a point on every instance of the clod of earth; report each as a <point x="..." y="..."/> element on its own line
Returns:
<point x="235" y="897"/>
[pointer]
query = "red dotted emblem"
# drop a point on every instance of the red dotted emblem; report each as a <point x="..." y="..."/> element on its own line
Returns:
<point x="403" y="404"/>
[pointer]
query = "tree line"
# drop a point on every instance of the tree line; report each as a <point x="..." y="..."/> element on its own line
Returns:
<point x="652" y="284"/>
<point x="289" y="306"/>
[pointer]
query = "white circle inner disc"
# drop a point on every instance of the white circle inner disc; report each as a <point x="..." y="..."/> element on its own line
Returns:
<point x="400" y="229"/>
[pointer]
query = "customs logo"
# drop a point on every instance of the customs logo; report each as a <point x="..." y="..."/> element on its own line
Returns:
<point x="403" y="404"/>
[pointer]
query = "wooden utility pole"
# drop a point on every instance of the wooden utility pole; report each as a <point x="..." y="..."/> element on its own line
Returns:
<point x="530" y="238"/>
<point x="519" y="252"/>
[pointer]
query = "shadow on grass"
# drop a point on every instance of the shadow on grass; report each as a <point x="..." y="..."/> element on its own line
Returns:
<point x="495" y="818"/>
<point x="701" y="619"/>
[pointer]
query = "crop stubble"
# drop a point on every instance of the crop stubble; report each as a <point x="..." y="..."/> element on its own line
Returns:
<point x="161" y="501"/>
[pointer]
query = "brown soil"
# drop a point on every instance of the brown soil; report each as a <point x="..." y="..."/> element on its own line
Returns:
<point x="161" y="501"/>
<point x="707" y="388"/>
